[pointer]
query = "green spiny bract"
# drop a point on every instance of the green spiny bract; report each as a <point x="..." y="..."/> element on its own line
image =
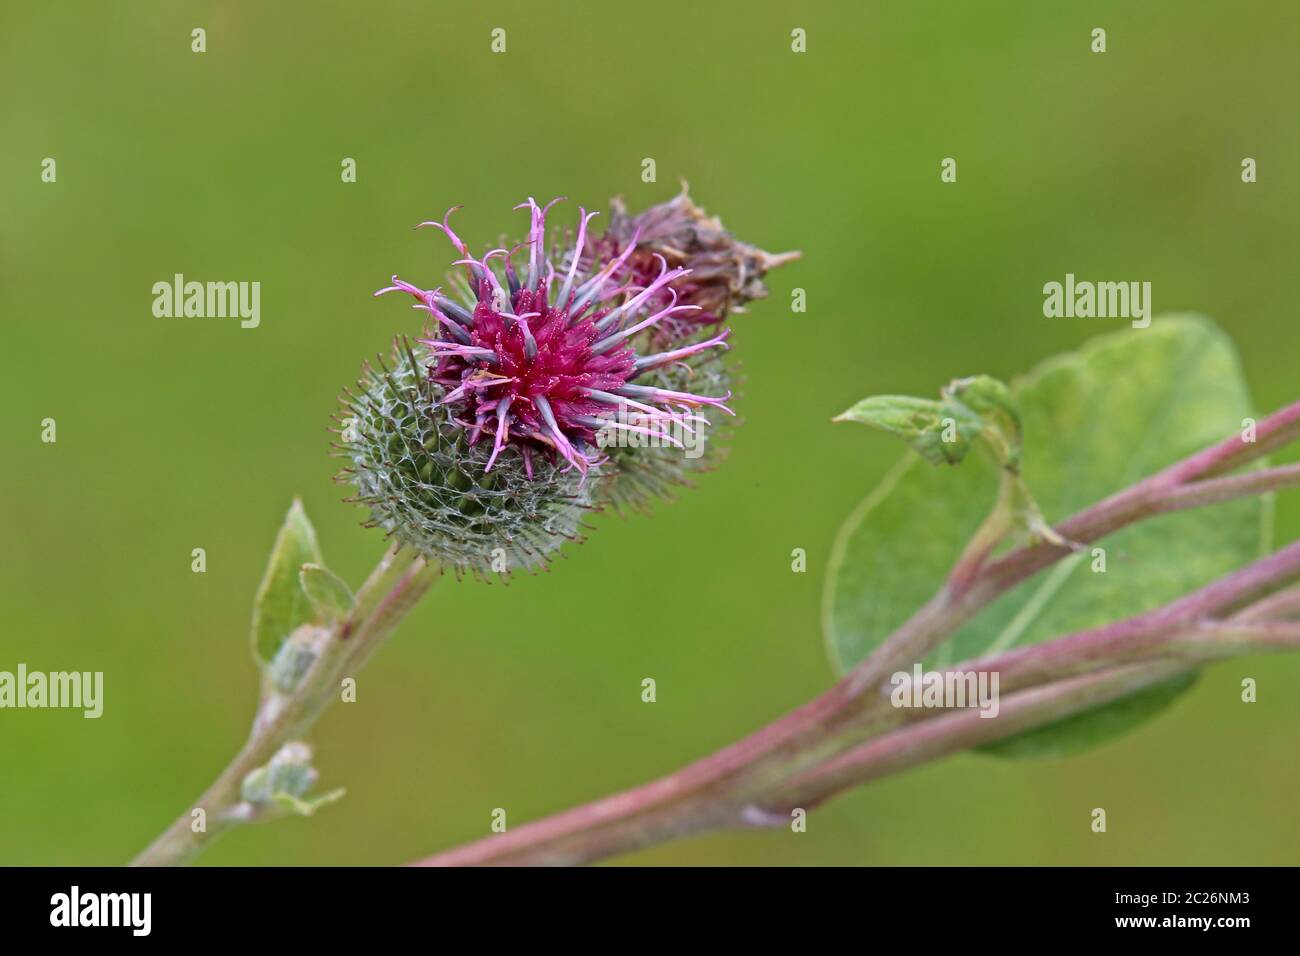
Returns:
<point x="638" y="477"/>
<point x="412" y="465"/>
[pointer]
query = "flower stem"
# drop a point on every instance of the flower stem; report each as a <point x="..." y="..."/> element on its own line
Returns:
<point x="961" y="730"/>
<point x="392" y="589"/>
<point x="802" y="756"/>
<point x="1048" y="682"/>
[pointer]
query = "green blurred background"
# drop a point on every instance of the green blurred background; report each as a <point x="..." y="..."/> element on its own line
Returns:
<point x="183" y="433"/>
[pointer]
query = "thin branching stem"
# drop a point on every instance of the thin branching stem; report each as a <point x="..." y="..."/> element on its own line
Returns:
<point x="812" y="747"/>
<point x="393" y="588"/>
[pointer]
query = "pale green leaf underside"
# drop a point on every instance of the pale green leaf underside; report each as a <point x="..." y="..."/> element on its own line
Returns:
<point x="1095" y="420"/>
<point x="328" y="595"/>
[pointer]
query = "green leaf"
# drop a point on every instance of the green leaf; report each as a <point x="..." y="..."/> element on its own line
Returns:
<point x="330" y="598"/>
<point x="1093" y="421"/>
<point x="942" y="435"/>
<point x="942" y="432"/>
<point x="281" y="606"/>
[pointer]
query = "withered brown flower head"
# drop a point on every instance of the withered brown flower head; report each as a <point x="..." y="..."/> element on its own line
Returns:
<point x="724" y="273"/>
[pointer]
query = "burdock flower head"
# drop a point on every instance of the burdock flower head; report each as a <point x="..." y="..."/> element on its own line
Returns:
<point x="722" y="273"/>
<point x="536" y="386"/>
